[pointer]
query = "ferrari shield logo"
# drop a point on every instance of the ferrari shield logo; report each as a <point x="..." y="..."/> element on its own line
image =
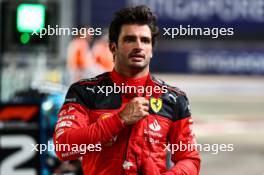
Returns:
<point x="155" y="104"/>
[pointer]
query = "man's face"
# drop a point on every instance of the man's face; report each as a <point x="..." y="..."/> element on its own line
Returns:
<point x="134" y="49"/>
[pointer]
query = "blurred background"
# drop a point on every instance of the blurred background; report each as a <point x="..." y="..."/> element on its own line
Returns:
<point x="223" y="77"/>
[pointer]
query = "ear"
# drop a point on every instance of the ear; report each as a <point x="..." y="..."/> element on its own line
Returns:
<point x="113" y="47"/>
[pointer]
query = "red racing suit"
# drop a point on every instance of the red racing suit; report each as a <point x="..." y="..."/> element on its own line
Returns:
<point x="89" y="119"/>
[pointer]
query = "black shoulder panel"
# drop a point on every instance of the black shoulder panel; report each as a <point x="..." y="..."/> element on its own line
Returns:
<point x="175" y="105"/>
<point x="92" y="93"/>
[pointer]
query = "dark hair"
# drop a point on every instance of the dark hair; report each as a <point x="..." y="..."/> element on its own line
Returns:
<point x="133" y="15"/>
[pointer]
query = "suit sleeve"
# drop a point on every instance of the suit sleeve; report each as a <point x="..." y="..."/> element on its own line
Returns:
<point x="74" y="129"/>
<point x="187" y="160"/>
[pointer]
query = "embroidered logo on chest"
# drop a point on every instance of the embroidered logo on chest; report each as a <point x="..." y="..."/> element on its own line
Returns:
<point x="156" y="104"/>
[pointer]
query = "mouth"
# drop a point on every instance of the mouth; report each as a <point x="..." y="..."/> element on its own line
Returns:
<point x="137" y="57"/>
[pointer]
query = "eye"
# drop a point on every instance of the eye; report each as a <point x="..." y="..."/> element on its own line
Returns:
<point x="146" y="40"/>
<point x="129" y="39"/>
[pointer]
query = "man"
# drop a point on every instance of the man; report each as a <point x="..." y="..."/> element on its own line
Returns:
<point x="135" y="127"/>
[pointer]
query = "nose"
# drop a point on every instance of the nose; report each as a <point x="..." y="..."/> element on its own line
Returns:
<point x="138" y="44"/>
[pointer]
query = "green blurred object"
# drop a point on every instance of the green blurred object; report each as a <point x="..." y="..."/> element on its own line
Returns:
<point x="24" y="38"/>
<point x="30" y="17"/>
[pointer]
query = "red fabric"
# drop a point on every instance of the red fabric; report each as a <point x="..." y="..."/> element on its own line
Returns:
<point x="82" y="131"/>
<point x="119" y="143"/>
<point x="149" y="167"/>
<point x="187" y="162"/>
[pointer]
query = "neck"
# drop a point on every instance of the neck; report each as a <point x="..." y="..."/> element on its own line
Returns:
<point x="133" y="73"/>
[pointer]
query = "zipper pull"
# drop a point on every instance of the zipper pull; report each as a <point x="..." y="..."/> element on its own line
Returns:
<point x="127" y="165"/>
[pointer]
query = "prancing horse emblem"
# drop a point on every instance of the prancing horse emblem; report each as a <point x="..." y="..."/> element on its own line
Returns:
<point x="155" y="104"/>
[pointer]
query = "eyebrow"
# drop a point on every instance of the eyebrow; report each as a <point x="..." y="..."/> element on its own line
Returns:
<point x="133" y="36"/>
<point x="129" y="36"/>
